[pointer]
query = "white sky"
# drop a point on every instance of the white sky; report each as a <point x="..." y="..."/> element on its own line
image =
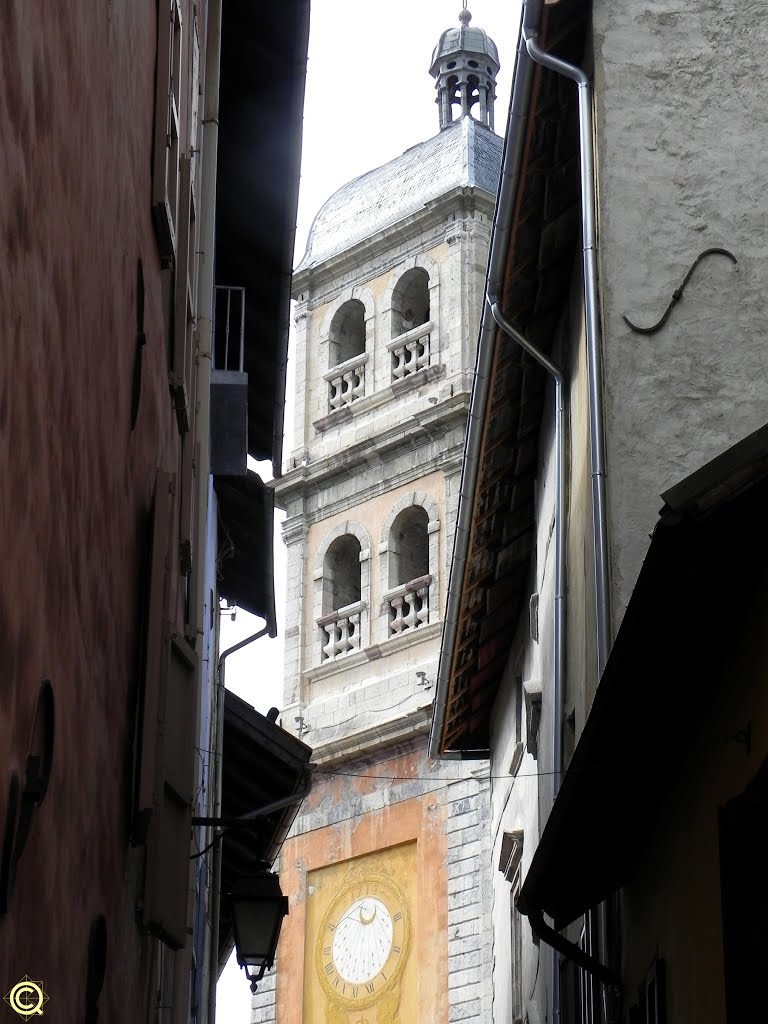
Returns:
<point x="369" y="97"/>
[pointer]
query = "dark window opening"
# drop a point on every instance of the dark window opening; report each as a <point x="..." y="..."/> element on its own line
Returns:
<point x="347" y="338"/>
<point x="409" y="546"/>
<point x="410" y="301"/>
<point x="341" y="574"/>
<point x="473" y="92"/>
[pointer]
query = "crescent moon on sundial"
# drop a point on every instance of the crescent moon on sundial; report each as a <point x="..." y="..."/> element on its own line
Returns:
<point x="364" y="919"/>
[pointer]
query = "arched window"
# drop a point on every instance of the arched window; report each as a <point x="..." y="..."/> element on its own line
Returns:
<point x="341" y="574"/>
<point x="409" y="551"/>
<point x="410" y="324"/>
<point x="346" y="355"/>
<point x="347" y="338"/>
<point x="410" y="301"/>
<point x="409" y="546"/>
<point x="341" y="591"/>
<point x="473" y="91"/>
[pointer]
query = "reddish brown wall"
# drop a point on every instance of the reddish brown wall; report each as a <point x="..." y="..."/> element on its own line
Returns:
<point x="76" y="116"/>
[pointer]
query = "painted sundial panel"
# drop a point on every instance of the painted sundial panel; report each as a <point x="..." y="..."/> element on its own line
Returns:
<point x="362" y="940"/>
<point x="359" y="937"/>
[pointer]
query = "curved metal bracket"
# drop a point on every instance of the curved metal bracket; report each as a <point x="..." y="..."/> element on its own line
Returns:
<point x="678" y="292"/>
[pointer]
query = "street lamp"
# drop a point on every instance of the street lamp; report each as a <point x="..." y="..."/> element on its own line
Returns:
<point x="258" y="909"/>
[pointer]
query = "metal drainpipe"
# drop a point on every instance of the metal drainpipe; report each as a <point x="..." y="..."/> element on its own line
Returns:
<point x="560" y="495"/>
<point x="216" y="860"/>
<point x="559" y="624"/>
<point x="206" y="293"/>
<point x="205" y="299"/>
<point x="594" y="371"/>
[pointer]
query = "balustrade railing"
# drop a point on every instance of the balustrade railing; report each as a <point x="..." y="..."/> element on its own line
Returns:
<point x="410" y="351"/>
<point x="346" y="382"/>
<point x="407" y="606"/>
<point x="340" y="632"/>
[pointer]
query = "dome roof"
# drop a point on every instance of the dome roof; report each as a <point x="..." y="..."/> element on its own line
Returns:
<point x="464" y="39"/>
<point x="465" y="154"/>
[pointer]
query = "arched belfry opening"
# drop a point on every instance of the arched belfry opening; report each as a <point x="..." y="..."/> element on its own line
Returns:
<point x="409" y="546"/>
<point x="464" y="65"/>
<point x="347" y="336"/>
<point x="410" y="301"/>
<point x="341" y="574"/>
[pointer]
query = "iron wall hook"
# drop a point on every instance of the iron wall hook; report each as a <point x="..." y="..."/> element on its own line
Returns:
<point x="678" y="292"/>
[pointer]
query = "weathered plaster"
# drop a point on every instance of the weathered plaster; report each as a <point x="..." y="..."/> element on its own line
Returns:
<point x="681" y="135"/>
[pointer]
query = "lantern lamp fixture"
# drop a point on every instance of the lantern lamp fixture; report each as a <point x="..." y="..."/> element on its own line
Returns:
<point x="258" y="908"/>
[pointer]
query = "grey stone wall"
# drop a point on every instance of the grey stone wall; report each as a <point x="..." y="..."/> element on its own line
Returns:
<point x="470" y="952"/>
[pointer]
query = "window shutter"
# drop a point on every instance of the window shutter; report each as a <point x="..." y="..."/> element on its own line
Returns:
<point x="165" y="172"/>
<point x="168" y="741"/>
<point x="167" y="865"/>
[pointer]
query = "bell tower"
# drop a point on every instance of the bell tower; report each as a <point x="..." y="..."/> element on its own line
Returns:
<point x="385" y="857"/>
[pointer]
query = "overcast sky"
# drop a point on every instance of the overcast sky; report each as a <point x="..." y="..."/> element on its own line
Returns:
<point x="369" y="97"/>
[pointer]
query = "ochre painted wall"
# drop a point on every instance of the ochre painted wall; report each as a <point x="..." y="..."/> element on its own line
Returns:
<point x="405" y="840"/>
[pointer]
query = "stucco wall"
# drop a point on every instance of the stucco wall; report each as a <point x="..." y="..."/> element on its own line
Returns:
<point x="76" y="115"/>
<point x="681" y="136"/>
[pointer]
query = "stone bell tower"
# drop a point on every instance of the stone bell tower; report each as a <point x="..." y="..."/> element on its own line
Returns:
<point x="385" y="856"/>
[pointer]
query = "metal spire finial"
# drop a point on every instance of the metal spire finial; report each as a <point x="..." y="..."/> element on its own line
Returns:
<point x="465" y="17"/>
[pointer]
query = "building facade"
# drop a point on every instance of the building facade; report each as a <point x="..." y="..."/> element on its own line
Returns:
<point x="118" y="122"/>
<point x="620" y="353"/>
<point x="384" y="860"/>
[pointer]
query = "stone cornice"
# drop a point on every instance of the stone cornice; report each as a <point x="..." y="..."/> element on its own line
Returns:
<point x="416" y="722"/>
<point x="430" y="423"/>
<point x="322" y="279"/>
<point x="296" y="527"/>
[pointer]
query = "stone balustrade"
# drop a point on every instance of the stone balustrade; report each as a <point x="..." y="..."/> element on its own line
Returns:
<point x="340" y="632"/>
<point x="346" y="382"/>
<point x="407" y="606"/>
<point x="410" y="351"/>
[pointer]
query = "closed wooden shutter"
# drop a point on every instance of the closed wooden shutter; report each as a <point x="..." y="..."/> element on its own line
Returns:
<point x="167" y="762"/>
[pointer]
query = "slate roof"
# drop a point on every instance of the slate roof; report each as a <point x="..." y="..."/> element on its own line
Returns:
<point x="465" y="40"/>
<point x="465" y="153"/>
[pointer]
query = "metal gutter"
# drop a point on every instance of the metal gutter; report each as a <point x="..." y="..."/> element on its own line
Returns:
<point x="217" y="851"/>
<point x="558" y="685"/>
<point x="592" y="318"/>
<point x="594" y="368"/>
<point x="205" y="302"/>
<point x="510" y="175"/>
